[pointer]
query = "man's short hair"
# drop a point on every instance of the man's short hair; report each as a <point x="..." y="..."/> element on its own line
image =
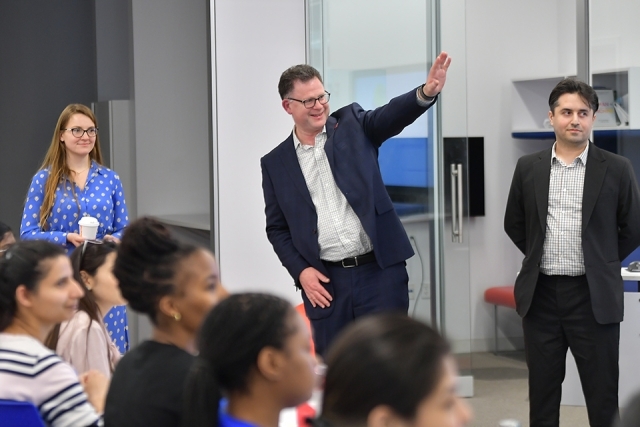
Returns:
<point x="572" y="85"/>
<point x="302" y="72"/>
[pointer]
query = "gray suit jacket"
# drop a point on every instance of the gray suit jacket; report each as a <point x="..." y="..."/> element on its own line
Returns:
<point x="610" y="226"/>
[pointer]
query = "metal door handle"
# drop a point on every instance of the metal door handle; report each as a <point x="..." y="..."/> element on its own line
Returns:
<point x="456" y="202"/>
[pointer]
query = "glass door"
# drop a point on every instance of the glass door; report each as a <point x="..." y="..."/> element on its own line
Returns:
<point x="369" y="52"/>
<point x="614" y="66"/>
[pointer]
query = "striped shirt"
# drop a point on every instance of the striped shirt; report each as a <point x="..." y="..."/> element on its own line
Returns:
<point x="31" y="372"/>
<point x="562" y="251"/>
<point x="340" y="232"/>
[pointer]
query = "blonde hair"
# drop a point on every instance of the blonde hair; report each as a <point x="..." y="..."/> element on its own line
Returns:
<point x="56" y="158"/>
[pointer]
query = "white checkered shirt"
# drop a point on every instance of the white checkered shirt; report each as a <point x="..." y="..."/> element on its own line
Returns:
<point x="562" y="251"/>
<point x="340" y="232"/>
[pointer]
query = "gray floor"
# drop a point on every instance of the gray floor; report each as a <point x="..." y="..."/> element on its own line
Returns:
<point x="500" y="391"/>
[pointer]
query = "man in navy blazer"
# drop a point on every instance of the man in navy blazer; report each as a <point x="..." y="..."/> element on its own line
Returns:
<point x="329" y="217"/>
<point x="574" y="212"/>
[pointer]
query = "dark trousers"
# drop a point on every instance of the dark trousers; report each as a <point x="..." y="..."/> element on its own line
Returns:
<point x="561" y="317"/>
<point x="357" y="291"/>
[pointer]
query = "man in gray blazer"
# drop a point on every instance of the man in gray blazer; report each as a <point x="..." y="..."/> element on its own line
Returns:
<point x="574" y="212"/>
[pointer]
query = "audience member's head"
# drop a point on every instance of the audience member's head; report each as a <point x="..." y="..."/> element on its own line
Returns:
<point x="391" y="370"/>
<point x="173" y="283"/>
<point x="6" y="238"/>
<point x="255" y="350"/>
<point x="93" y="263"/>
<point x="37" y="289"/>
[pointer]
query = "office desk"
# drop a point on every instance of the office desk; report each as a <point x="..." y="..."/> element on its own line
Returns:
<point x="629" y="351"/>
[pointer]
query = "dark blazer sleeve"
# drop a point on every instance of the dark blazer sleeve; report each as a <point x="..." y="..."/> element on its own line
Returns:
<point x="628" y="213"/>
<point x="390" y="119"/>
<point x="278" y="231"/>
<point x="514" y="216"/>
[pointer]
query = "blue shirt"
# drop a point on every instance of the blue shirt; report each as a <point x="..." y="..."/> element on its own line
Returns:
<point x="117" y="326"/>
<point x="102" y="198"/>
<point x="226" y="420"/>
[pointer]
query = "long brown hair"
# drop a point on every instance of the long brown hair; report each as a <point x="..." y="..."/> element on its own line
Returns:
<point x="56" y="158"/>
<point x="88" y="258"/>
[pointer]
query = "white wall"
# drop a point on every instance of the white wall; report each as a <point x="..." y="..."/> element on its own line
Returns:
<point x="615" y="34"/>
<point x="401" y="43"/>
<point x="171" y="106"/>
<point x="255" y="41"/>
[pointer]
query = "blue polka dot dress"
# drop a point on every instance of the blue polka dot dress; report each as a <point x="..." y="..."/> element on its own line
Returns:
<point x="101" y="198"/>
<point x="118" y="327"/>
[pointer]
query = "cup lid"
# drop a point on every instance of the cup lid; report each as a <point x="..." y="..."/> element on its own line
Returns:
<point x="88" y="221"/>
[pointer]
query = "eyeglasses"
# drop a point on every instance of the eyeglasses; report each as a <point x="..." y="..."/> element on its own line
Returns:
<point x="311" y="102"/>
<point x="78" y="132"/>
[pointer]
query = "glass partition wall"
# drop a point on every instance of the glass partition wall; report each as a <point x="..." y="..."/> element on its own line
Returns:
<point x="369" y="52"/>
<point x="614" y="64"/>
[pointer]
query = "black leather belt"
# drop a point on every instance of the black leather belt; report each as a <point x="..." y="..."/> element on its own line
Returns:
<point x="353" y="261"/>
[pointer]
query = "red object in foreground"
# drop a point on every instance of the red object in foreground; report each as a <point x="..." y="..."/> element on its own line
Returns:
<point x="303" y="313"/>
<point x="305" y="411"/>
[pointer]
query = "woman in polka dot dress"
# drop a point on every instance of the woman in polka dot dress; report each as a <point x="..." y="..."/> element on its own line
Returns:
<point x="72" y="183"/>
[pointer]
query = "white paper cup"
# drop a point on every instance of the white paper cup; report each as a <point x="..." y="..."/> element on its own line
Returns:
<point x="89" y="227"/>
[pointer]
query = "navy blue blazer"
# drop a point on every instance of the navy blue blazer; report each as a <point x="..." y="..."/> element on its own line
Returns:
<point x="353" y="138"/>
<point x="610" y="226"/>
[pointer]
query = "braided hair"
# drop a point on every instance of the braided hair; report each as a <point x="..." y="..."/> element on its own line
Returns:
<point x="146" y="264"/>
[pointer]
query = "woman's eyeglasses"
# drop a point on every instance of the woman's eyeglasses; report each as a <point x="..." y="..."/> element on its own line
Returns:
<point x="78" y="132"/>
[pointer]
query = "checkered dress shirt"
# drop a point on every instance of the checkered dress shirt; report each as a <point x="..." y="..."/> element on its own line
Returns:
<point x="562" y="251"/>
<point x="340" y="232"/>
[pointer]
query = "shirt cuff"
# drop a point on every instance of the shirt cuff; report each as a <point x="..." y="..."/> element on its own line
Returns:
<point x="424" y="100"/>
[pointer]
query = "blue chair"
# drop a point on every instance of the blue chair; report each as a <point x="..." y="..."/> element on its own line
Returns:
<point x="19" y="414"/>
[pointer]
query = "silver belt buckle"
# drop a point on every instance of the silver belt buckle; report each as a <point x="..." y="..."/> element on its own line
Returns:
<point x="355" y="259"/>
